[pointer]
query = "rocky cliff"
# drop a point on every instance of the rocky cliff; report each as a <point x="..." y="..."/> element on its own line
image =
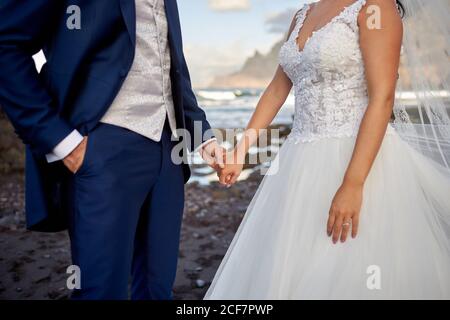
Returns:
<point x="256" y="72"/>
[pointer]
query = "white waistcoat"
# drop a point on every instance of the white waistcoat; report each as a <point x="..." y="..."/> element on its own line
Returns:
<point x="145" y="99"/>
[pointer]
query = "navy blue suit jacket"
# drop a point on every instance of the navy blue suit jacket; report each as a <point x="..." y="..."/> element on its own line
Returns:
<point x="84" y="71"/>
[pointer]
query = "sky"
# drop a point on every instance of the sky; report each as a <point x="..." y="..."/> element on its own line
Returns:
<point x="219" y="35"/>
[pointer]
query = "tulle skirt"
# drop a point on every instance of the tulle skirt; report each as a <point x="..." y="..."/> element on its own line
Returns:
<point x="282" y="251"/>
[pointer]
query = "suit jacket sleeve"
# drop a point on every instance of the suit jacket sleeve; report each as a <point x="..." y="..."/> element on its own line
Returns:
<point x="24" y="26"/>
<point x="195" y="118"/>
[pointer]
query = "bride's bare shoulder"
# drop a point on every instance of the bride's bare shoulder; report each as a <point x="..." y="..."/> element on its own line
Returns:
<point x="379" y="14"/>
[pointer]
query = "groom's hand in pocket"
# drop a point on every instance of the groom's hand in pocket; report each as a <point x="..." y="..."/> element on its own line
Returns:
<point x="75" y="159"/>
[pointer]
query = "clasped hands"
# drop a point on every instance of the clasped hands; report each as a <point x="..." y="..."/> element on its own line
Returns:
<point x="228" y="164"/>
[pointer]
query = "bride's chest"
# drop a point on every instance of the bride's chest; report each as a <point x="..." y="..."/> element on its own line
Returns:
<point x="334" y="48"/>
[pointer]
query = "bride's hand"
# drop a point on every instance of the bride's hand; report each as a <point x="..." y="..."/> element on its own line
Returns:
<point x="344" y="212"/>
<point x="234" y="163"/>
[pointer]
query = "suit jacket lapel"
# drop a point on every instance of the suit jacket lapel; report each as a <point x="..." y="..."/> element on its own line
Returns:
<point x="129" y="15"/>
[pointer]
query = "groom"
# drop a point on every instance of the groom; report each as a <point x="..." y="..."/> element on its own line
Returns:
<point x="97" y="123"/>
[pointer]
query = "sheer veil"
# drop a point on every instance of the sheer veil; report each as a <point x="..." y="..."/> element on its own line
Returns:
<point x="422" y="105"/>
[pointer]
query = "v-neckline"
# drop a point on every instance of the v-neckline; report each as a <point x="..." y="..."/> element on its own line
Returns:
<point x="314" y="32"/>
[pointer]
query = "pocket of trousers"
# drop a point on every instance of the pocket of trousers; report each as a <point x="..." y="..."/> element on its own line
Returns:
<point x="86" y="155"/>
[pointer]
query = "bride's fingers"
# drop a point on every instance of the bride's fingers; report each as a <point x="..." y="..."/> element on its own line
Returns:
<point x="345" y="229"/>
<point x="228" y="178"/>
<point x="355" y="226"/>
<point x="231" y="179"/>
<point x="223" y="178"/>
<point x="234" y="178"/>
<point x="337" y="229"/>
<point x="330" y="223"/>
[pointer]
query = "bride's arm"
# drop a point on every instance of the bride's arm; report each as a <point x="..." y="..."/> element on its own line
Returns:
<point x="381" y="53"/>
<point x="267" y="108"/>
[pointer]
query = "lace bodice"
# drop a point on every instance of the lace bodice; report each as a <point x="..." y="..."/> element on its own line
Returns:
<point x="328" y="77"/>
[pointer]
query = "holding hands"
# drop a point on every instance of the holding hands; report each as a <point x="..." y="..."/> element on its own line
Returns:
<point x="227" y="164"/>
<point x="234" y="163"/>
<point x="213" y="154"/>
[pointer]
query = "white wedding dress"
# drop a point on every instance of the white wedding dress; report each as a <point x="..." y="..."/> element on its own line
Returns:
<point x="282" y="251"/>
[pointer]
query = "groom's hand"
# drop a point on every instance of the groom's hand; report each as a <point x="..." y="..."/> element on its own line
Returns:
<point x="75" y="159"/>
<point x="213" y="155"/>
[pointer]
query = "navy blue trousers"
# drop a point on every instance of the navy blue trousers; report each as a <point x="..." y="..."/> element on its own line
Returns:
<point x="126" y="206"/>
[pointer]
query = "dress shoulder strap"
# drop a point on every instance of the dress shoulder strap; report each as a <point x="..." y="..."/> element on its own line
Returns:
<point x="300" y="16"/>
<point x="350" y="16"/>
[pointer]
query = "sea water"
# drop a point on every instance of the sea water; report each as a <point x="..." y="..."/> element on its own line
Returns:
<point x="232" y="109"/>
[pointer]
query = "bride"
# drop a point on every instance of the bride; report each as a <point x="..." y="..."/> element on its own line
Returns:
<point x="359" y="206"/>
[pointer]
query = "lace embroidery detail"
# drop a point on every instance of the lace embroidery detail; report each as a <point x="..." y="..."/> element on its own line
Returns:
<point x="328" y="76"/>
